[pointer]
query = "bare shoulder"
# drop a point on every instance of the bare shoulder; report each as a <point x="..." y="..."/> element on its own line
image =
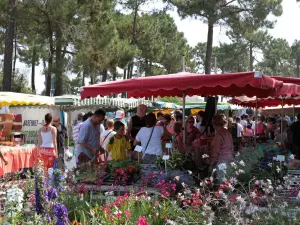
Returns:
<point x="53" y="129"/>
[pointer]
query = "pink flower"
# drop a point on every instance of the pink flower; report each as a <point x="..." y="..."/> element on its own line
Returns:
<point x="142" y="221"/>
<point x="128" y="214"/>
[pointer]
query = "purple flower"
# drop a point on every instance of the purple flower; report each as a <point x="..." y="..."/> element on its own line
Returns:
<point x="38" y="197"/>
<point x="61" y="213"/>
<point x="51" y="194"/>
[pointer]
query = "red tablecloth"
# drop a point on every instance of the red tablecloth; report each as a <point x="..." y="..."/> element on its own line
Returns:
<point x="17" y="157"/>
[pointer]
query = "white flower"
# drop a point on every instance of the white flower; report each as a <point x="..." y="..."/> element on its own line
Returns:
<point x="205" y="156"/>
<point x="242" y="163"/>
<point x="233" y="164"/>
<point x="292" y="156"/>
<point x="252" y="194"/>
<point x="183" y="184"/>
<point x="241" y="171"/>
<point x="233" y="180"/>
<point x="109" y="193"/>
<point x="270" y="164"/>
<point x="177" y="177"/>
<point x="190" y="172"/>
<point x="278" y="169"/>
<point x="269" y="181"/>
<point x="214" y="170"/>
<point x="201" y="184"/>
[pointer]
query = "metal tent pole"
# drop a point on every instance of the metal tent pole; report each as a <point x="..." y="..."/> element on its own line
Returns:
<point x="294" y="111"/>
<point x="256" y="117"/>
<point x="183" y="117"/>
<point x="281" y="122"/>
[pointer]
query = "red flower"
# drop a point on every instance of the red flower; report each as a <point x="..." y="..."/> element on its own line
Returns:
<point x="142" y="221"/>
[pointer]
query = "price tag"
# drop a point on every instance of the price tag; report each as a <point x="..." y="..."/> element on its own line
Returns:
<point x="166" y="157"/>
<point x="280" y="158"/>
<point x="138" y="148"/>
<point x="169" y="145"/>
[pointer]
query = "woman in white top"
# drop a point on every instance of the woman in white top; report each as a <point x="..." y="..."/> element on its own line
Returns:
<point x="47" y="143"/>
<point x="149" y="138"/>
<point x="105" y="137"/>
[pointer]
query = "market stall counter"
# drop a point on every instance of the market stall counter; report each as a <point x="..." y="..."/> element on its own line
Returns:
<point x="18" y="157"/>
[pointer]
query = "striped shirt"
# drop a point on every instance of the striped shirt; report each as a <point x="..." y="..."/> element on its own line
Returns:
<point x="76" y="131"/>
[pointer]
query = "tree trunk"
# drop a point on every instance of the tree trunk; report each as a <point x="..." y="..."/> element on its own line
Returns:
<point x="50" y="59"/>
<point x="130" y="70"/>
<point x="211" y="102"/>
<point x="251" y="57"/>
<point x="49" y="74"/>
<point x="146" y="67"/>
<point x="133" y="41"/>
<point x="134" y="22"/>
<point x="33" y="59"/>
<point x="92" y="78"/>
<point x="15" y="58"/>
<point x="209" y="48"/>
<point x="150" y="68"/>
<point x="124" y="74"/>
<point x="104" y="75"/>
<point x="82" y="81"/>
<point x="115" y="74"/>
<point x="58" y="64"/>
<point x="9" y="45"/>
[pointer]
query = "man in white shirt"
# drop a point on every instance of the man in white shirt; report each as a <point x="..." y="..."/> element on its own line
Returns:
<point x="76" y="128"/>
<point x="200" y="117"/>
<point x="105" y="137"/>
<point x="244" y="122"/>
<point x="240" y="132"/>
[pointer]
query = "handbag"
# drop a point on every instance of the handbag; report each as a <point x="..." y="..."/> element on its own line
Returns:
<point x="148" y="143"/>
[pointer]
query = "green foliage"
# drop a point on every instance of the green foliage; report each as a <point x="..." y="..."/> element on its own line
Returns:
<point x="174" y="100"/>
<point x="176" y="161"/>
<point x="19" y="83"/>
<point x="230" y="57"/>
<point x="124" y="164"/>
<point x="277" y="58"/>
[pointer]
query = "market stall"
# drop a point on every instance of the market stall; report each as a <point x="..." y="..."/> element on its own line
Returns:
<point x="19" y="125"/>
<point x="183" y="84"/>
<point x="72" y="105"/>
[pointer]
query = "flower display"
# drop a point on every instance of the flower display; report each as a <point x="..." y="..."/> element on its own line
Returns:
<point x="14" y="201"/>
<point x="61" y="213"/>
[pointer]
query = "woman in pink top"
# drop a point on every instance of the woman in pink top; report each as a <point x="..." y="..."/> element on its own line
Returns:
<point x="261" y="127"/>
<point x="221" y="148"/>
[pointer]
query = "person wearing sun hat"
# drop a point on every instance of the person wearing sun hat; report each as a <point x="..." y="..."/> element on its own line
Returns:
<point x="120" y="116"/>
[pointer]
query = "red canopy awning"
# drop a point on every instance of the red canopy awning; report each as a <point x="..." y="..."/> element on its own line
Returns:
<point x="289" y="93"/>
<point x="290" y="80"/>
<point x="235" y="84"/>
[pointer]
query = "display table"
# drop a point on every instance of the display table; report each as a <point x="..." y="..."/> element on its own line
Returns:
<point x="18" y="157"/>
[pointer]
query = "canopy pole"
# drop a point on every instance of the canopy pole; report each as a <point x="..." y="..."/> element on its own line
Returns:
<point x="256" y="117"/>
<point x="281" y="122"/>
<point x="294" y="111"/>
<point x="183" y="117"/>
